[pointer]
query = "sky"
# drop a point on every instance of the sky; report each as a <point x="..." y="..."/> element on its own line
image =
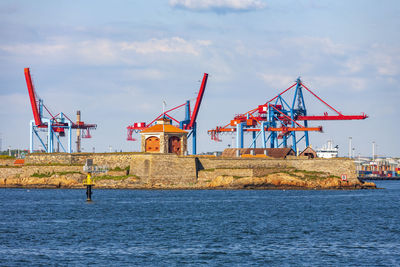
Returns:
<point x="117" y="61"/>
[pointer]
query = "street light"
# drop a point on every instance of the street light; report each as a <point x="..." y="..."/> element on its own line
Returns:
<point x="350" y="139"/>
<point x="373" y="150"/>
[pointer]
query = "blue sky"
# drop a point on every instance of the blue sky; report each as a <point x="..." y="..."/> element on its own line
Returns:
<point x="116" y="61"/>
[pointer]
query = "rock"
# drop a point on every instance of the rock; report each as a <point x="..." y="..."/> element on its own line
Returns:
<point x="72" y="177"/>
<point x="221" y="181"/>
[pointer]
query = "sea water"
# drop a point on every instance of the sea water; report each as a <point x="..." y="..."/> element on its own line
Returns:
<point x="204" y="227"/>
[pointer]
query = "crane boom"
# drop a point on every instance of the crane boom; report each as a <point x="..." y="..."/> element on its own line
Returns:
<point x="32" y="96"/>
<point x="198" y="102"/>
<point x="331" y="117"/>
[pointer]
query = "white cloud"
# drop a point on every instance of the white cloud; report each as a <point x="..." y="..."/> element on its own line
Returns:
<point x="383" y="61"/>
<point x="322" y="44"/>
<point x="37" y="49"/>
<point x="342" y="83"/>
<point x="278" y="81"/>
<point x="386" y="61"/>
<point x="17" y="103"/>
<point x="218" y="5"/>
<point x="147" y="74"/>
<point x="169" y="45"/>
<point x="104" y="51"/>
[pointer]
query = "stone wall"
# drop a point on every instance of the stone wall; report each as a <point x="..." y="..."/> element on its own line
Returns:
<point x="168" y="169"/>
<point x="171" y="169"/>
<point x="336" y="167"/>
<point x="28" y="171"/>
<point x="112" y="160"/>
<point x="7" y="162"/>
<point x="209" y="174"/>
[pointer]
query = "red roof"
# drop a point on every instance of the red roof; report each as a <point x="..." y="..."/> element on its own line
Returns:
<point x="159" y="128"/>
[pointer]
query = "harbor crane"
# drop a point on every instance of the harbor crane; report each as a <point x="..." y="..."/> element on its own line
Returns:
<point x="188" y="123"/>
<point x="279" y="120"/>
<point x="55" y="126"/>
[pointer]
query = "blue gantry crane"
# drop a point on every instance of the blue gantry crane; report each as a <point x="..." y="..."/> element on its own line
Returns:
<point x="55" y="126"/>
<point x="278" y="120"/>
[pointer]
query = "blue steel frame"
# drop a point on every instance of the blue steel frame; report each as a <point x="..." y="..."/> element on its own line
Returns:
<point x="274" y="119"/>
<point x="48" y="145"/>
<point x="193" y="132"/>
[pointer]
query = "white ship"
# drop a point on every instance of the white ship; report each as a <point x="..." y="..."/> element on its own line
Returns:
<point x="328" y="151"/>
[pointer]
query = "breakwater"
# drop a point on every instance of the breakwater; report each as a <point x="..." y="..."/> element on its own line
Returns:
<point x="169" y="171"/>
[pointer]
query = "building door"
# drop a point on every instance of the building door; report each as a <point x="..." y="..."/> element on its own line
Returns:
<point x="152" y="144"/>
<point x="174" y="145"/>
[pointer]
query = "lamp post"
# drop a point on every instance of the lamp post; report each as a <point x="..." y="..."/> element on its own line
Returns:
<point x="373" y="150"/>
<point x="350" y="139"/>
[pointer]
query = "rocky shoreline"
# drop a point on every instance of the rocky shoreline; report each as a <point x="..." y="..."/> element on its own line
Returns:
<point x="166" y="171"/>
<point x="278" y="181"/>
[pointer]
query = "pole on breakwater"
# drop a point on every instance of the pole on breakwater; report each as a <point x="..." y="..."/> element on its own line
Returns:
<point x="90" y="169"/>
<point x="89" y="183"/>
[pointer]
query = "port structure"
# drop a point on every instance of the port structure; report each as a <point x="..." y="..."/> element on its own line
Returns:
<point x="188" y="123"/>
<point x="279" y="120"/>
<point x="55" y="126"/>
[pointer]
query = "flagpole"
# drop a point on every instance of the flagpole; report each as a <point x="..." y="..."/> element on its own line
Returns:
<point x="163" y="123"/>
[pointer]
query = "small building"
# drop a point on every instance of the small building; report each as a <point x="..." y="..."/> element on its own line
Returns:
<point x="309" y="153"/>
<point x="163" y="137"/>
<point x="280" y="153"/>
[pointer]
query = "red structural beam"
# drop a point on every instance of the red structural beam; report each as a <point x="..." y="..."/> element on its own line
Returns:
<point x="84" y="126"/>
<point x="198" y="102"/>
<point x="270" y="129"/>
<point x="165" y="113"/>
<point x="287" y="117"/>
<point x="322" y="100"/>
<point x="287" y="129"/>
<point x="272" y="99"/>
<point x="81" y="125"/>
<point x="32" y="96"/>
<point x="331" y="118"/>
<point x="281" y="93"/>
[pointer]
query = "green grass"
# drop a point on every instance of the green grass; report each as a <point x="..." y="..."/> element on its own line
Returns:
<point x="307" y="175"/>
<point x="67" y="172"/>
<point x="6" y="157"/>
<point x="42" y="175"/>
<point x="116" y="169"/>
<point x="52" y="164"/>
<point x="11" y="166"/>
<point x="115" y="178"/>
<point x="49" y="174"/>
<point x="309" y="172"/>
<point x="119" y="169"/>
